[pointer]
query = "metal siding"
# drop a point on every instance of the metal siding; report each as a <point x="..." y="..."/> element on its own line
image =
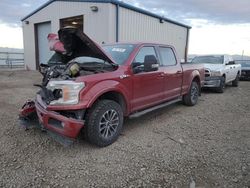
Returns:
<point x="137" y="27"/>
<point x="98" y="25"/>
<point x="115" y="2"/>
<point x="101" y="26"/>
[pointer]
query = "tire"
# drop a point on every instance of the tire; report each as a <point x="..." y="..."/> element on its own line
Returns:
<point x="104" y="123"/>
<point x="191" y="98"/>
<point x="221" y="89"/>
<point x="235" y="83"/>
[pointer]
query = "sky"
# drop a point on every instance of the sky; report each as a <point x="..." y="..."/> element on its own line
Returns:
<point x="218" y="26"/>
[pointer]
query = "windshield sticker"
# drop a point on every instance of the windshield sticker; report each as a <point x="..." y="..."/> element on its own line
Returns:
<point x="118" y="50"/>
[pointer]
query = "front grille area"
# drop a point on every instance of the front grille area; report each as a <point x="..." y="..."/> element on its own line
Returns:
<point x="207" y="73"/>
<point x="245" y="72"/>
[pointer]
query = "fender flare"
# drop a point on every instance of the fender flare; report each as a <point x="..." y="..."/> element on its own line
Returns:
<point x="194" y="74"/>
<point x="103" y="87"/>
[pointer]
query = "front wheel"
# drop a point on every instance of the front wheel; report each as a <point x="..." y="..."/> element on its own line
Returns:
<point x="222" y="86"/>
<point x="235" y="83"/>
<point x="104" y="123"/>
<point x="191" y="98"/>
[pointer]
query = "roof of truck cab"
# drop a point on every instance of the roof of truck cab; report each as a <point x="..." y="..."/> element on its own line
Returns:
<point x="136" y="44"/>
<point x="115" y="2"/>
<point x="215" y="55"/>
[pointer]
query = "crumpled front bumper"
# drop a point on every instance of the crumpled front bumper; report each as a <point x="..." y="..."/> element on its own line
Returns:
<point x="212" y="82"/>
<point x="59" y="126"/>
<point x="56" y="122"/>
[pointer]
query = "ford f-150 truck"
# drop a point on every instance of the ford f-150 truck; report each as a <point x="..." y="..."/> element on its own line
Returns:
<point x="89" y="87"/>
<point x="219" y="71"/>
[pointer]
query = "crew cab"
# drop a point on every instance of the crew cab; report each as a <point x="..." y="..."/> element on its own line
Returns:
<point x="219" y="71"/>
<point x="92" y="88"/>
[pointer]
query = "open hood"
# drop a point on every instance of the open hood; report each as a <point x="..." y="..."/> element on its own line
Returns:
<point x="72" y="43"/>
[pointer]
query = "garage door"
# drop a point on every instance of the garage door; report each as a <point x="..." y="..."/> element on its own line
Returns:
<point x="43" y="29"/>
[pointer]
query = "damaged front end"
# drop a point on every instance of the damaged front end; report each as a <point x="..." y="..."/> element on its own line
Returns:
<point x="75" y="55"/>
<point x="63" y="124"/>
<point x="27" y="115"/>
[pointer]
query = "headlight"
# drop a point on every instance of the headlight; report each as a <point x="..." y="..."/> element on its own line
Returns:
<point x="215" y="73"/>
<point x="69" y="91"/>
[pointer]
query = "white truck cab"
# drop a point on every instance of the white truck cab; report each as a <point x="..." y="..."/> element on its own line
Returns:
<point x="219" y="71"/>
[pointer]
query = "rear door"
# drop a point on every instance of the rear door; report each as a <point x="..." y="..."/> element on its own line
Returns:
<point x="172" y="72"/>
<point x="147" y="86"/>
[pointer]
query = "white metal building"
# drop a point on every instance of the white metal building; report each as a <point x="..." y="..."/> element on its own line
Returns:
<point x="106" y="21"/>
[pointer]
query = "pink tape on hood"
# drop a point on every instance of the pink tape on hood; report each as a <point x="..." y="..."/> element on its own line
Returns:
<point x="55" y="44"/>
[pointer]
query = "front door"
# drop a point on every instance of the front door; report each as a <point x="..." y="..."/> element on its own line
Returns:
<point x="147" y="86"/>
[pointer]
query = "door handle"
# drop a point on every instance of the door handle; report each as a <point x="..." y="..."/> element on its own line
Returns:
<point x="179" y="72"/>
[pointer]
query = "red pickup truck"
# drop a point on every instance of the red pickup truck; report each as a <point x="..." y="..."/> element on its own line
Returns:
<point x="92" y="88"/>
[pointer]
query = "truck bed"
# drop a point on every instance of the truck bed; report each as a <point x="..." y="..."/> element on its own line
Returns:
<point x="188" y="68"/>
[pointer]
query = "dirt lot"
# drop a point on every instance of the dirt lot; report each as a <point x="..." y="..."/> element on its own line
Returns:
<point x="178" y="146"/>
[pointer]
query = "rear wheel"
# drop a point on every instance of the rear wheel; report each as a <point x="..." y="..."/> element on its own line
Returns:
<point x="235" y="83"/>
<point x="222" y="86"/>
<point x="191" y="98"/>
<point x="104" y="123"/>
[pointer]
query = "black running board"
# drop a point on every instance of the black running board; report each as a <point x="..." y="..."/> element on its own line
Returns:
<point x="162" y="105"/>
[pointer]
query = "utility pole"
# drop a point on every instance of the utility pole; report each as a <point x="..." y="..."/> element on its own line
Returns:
<point x="242" y="55"/>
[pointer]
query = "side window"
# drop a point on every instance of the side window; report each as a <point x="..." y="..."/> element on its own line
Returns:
<point x="167" y="56"/>
<point x="144" y="53"/>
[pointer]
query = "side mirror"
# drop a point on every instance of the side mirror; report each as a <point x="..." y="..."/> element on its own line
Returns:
<point x="231" y="63"/>
<point x="137" y="67"/>
<point x="150" y="63"/>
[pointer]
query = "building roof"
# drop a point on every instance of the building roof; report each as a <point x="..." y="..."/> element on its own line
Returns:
<point x="115" y="2"/>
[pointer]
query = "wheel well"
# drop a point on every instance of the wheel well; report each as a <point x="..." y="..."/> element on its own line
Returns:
<point x="197" y="80"/>
<point x="117" y="97"/>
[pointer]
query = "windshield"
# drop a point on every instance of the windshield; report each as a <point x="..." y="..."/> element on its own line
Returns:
<point x="119" y="52"/>
<point x="208" y="59"/>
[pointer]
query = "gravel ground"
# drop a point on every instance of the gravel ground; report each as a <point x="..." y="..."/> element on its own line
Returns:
<point x="207" y="145"/>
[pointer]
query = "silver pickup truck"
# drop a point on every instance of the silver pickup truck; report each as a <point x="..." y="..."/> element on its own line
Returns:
<point x="219" y="71"/>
